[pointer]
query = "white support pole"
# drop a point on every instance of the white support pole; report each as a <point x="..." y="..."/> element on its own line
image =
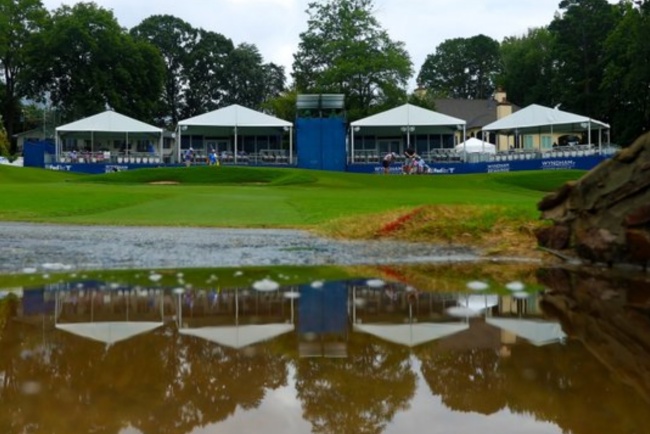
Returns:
<point x="161" y="145"/>
<point x="235" y="153"/>
<point x="351" y="145"/>
<point x="291" y="145"/>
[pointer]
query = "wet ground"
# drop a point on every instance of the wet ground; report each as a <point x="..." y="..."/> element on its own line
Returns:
<point x="63" y="247"/>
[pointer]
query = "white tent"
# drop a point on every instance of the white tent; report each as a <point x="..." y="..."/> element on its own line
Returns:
<point x="409" y="119"/>
<point x="109" y="332"/>
<point x="537" y="332"/>
<point x="239" y="336"/>
<point x="108" y="124"/>
<point x="473" y="144"/>
<point x="411" y="334"/>
<point x="478" y="302"/>
<point x="234" y="120"/>
<point x="536" y="119"/>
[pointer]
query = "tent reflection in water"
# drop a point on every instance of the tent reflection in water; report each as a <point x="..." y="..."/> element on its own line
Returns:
<point x="537" y="332"/>
<point x="238" y="336"/>
<point x="411" y="333"/>
<point x="106" y="332"/>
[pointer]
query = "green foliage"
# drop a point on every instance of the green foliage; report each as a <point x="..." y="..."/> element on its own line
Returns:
<point x="579" y="38"/>
<point x="345" y="50"/>
<point x="626" y="78"/>
<point x="282" y="106"/>
<point x="528" y="71"/>
<point x="20" y="21"/>
<point x="207" y="72"/>
<point x="85" y="62"/>
<point x="4" y="140"/>
<point x="174" y="39"/>
<point x="462" y="68"/>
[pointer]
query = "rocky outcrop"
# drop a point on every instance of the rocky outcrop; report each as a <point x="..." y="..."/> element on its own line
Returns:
<point x="604" y="217"/>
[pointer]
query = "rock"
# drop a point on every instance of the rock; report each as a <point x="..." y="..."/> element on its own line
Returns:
<point x="604" y="217"/>
<point x="554" y="237"/>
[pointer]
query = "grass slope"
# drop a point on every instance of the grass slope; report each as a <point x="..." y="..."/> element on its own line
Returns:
<point x="340" y="204"/>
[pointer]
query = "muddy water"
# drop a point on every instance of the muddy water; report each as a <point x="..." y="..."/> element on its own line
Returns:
<point x="390" y="349"/>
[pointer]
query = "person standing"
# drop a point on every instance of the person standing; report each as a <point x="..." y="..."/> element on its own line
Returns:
<point x="409" y="162"/>
<point x="387" y="161"/>
<point x="188" y="156"/>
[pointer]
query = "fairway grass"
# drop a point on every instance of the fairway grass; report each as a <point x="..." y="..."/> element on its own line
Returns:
<point x="445" y="208"/>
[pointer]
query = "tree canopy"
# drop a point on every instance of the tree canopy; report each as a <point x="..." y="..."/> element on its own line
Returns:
<point x="78" y="60"/>
<point x="84" y="63"/>
<point x="462" y="68"/>
<point x="345" y="50"/>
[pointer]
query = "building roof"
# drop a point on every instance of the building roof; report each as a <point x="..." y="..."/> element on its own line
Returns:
<point x="235" y="116"/>
<point x="535" y="118"/>
<point x="415" y="118"/>
<point x="476" y="112"/>
<point x="109" y="122"/>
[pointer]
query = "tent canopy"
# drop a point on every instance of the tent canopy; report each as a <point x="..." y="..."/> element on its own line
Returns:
<point x="239" y="336"/>
<point x="223" y="121"/>
<point x="536" y="118"/>
<point x="535" y="331"/>
<point x="422" y="121"/>
<point x="109" y="332"/>
<point x="411" y="335"/>
<point x="108" y="122"/>
<point x="476" y="145"/>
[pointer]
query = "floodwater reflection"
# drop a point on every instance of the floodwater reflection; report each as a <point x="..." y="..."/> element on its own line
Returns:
<point x="387" y="350"/>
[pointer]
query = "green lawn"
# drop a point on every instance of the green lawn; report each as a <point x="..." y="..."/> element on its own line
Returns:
<point x="251" y="197"/>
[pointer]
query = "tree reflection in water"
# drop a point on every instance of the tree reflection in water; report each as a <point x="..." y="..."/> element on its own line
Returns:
<point x="160" y="382"/>
<point x="361" y="393"/>
<point x="165" y="382"/>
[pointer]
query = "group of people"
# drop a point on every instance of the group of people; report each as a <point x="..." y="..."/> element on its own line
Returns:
<point x="188" y="157"/>
<point x="413" y="163"/>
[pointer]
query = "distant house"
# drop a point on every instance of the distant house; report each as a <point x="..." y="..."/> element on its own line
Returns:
<point x="479" y="113"/>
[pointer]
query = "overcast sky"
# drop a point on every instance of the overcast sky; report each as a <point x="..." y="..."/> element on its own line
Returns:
<point x="274" y="26"/>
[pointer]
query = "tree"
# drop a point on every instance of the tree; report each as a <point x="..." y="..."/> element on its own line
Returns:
<point x="85" y="63"/>
<point x="345" y="50"/>
<point x="626" y="79"/>
<point x="4" y="140"/>
<point x="208" y="73"/>
<point x="528" y="68"/>
<point x="579" y="33"/>
<point x="250" y="81"/>
<point x="175" y="39"/>
<point x="462" y="68"/>
<point x="19" y="21"/>
<point x="282" y="106"/>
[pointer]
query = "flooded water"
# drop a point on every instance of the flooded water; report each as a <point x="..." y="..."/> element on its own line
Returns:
<point x="474" y="348"/>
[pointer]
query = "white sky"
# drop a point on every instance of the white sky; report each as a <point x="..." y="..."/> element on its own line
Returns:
<point x="274" y="26"/>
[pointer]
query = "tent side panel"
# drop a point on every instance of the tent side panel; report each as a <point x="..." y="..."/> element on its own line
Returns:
<point x="309" y="146"/>
<point x="321" y="143"/>
<point x="333" y="139"/>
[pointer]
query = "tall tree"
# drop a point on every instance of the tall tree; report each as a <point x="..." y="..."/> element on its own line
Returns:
<point x="247" y="79"/>
<point x="345" y="50"/>
<point x="528" y="68"/>
<point x="462" y="68"/>
<point x="176" y="40"/>
<point x="19" y="21"/>
<point x="85" y="63"/>
<point x="626" y="80"/>
<point x="580" y="32"/>
<point x="208" y="73"/>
